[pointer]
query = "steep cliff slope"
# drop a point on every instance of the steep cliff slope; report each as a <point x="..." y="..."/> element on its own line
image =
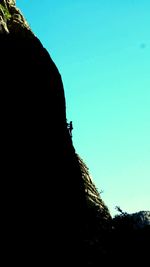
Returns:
<point x="98" y="224"/>
<point x="45" y="201"/>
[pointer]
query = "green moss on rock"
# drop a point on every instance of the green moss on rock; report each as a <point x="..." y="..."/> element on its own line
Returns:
<point x="4" y="10"/>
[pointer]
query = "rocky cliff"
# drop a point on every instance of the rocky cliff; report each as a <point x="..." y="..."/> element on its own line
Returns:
<point x="51" y="206"/>
<point x="51" y="212"/>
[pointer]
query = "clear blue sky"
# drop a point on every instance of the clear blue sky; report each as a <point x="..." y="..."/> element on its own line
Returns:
<point x="102" y="50"/>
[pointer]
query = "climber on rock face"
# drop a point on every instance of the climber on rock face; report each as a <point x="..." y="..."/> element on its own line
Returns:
<point x="70" y="127"/>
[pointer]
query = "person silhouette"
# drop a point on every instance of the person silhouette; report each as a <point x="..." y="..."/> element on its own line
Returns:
<point x="70" y="127"/>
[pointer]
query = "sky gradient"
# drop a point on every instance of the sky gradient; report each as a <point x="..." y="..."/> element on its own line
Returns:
<point x="102" y="50"/>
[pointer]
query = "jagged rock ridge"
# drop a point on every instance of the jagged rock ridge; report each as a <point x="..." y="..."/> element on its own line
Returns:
<point x="93" y="198"/>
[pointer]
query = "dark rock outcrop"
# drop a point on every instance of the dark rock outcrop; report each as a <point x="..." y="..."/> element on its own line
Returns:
<point x="130" y="238"/>
<point x="51" y="207"/>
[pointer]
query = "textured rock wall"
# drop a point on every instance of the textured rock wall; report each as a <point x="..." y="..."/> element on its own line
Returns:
<point x="98" y="225"/>
<point x="44" y="201"/>
<point x="11" y="19"/>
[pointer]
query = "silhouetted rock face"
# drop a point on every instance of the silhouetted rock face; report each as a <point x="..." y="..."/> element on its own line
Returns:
<point x="45" y="205"/>
<point x="131" y="235"/>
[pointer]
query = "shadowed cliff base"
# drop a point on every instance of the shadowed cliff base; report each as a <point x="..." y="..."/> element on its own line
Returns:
<point x="52" y="211"/>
